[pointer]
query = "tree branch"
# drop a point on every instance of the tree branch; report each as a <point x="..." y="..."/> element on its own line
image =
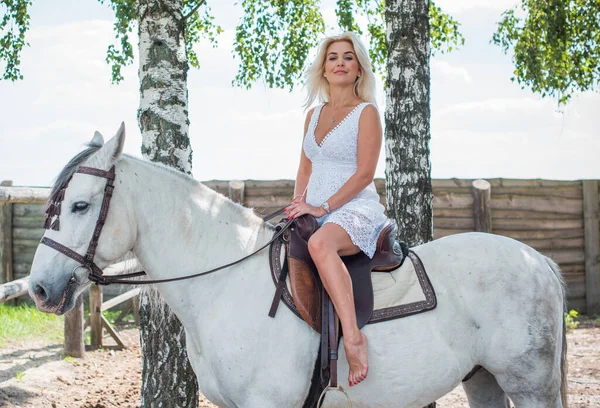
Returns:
<point x="200" y="3"/>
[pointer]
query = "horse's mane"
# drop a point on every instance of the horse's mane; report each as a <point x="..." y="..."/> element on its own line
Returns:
<point x="238" y="208"/>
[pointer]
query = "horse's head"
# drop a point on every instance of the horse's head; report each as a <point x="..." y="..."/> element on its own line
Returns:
<point x="61" y="266"/>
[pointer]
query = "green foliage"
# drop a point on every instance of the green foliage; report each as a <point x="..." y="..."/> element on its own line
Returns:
<point x="121" y="55"/>
<point x="443" y="31"/>
<point x="19" y="376"/>
<point x="198" y="26"/>
<point x="571" y="319"/>
<point x="556" y="47"/>
<point x="273" y="40"/>
<point x="25" y="321"/>
<point x="262" y="45"/>
<point x="14" y="25"/>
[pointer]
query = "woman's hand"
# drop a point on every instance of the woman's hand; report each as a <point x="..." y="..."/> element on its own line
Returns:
<point x="297" y="209"/>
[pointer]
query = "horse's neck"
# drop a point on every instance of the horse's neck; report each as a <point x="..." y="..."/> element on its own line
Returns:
<point x="184" y="228"/>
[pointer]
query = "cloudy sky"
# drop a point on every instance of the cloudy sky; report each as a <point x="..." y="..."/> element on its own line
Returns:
<point x="483" y="125"/>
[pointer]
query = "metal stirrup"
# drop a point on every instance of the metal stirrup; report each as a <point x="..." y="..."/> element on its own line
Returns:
<point x="330" y="388"/>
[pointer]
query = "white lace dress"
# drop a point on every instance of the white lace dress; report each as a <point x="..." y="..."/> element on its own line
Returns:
<point x="333" y="163"/>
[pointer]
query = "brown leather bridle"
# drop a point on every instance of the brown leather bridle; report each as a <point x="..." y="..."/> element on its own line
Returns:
<point x="96" y="274"/>
<point x="87" y="261"/>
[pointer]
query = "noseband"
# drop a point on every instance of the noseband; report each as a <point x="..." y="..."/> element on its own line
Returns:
<point x="96" y="275"/>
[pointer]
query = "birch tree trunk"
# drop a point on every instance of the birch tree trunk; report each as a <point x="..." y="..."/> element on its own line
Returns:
<point x="407" y="114"/>
<point x="167" y="376"/>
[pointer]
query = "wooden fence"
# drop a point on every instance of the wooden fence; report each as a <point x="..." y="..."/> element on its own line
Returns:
<point x="558" y="218"/>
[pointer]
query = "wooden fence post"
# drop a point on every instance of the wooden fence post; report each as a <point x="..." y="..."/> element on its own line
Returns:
<point x="236" y="191"/>
<point x="6" y="255"/>
<point x="591" y="229"/>
<point x="74" y="346"/>
<point x="95" y="317"/>
<point x="482" y="205"/>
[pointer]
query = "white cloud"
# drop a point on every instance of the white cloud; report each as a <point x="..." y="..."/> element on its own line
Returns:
<point x="447" y="70"/>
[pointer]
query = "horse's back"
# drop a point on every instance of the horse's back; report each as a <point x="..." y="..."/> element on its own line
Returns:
<point x="485" y="257"/>
<point x="489" y="270"/>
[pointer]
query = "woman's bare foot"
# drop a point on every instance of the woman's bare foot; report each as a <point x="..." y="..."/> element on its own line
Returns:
<point x="356" y="354"/>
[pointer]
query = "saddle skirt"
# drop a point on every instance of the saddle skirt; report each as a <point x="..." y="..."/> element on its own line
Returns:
<point x="385" y="287"/>
<point x="402" y="292"/>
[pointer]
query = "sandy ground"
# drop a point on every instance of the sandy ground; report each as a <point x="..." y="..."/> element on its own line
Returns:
<point x="33" y="374"/>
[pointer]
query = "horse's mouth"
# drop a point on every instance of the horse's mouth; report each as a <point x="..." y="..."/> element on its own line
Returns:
<point x="66" y="302"/>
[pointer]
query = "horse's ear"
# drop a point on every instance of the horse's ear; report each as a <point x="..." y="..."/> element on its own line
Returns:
<point x="112" y="149"/>
<point x="119" y="139"/>
<point x="97" y="140"/>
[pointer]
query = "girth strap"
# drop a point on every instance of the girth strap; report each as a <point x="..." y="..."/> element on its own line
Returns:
<point x="280" y="284"/>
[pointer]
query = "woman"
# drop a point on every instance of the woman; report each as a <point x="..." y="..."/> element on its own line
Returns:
<point x="342" y="140"/>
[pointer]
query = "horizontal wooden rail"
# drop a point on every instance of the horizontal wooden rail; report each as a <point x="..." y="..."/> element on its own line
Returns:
<point x="14" y="289"/>
<point x="117" y="300"/>
<point x="24" y="194"/>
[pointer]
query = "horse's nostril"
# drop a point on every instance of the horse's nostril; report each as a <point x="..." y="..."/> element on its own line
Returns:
<point x="40" y="292"/>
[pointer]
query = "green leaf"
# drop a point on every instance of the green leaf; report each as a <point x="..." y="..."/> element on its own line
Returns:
<point x="555" y="46"/>
<point x="13" y="26"/>
<point x="273" y="39"/>
<point x="199" y="25"/>
<point x="121" y="55"/>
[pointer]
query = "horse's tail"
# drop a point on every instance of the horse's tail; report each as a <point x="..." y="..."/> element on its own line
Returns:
<point x="563" y="359"/>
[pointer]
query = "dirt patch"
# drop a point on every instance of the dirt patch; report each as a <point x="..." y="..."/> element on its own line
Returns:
<point x="33" y="374"/>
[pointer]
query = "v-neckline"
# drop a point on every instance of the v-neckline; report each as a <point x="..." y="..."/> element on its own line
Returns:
<point x="314" y="132"/>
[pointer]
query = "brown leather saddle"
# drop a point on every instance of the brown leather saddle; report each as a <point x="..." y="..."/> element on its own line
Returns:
<point x="310" y="300"/>
<point x="305" y="285"/>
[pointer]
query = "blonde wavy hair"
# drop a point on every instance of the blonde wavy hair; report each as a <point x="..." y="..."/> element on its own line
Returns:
<point x="317" y="85"/>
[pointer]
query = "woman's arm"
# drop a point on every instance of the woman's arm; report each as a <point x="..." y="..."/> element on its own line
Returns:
<point x="369" y="145"/>
<point x="305" y="168"/>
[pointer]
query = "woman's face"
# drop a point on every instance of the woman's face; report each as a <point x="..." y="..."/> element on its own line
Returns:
<point x="341" y="64"/>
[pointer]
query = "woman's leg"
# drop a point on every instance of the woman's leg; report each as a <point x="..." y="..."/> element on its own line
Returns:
<point x="326" y="246"/>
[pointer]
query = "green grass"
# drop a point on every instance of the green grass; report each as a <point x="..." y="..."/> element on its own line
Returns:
<point x="25" y="322"/>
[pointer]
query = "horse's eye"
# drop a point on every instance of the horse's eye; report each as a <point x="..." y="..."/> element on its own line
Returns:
<point x="80" y="206"/>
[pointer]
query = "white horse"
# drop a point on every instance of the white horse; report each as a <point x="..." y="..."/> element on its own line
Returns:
<point x="500" y="303"/>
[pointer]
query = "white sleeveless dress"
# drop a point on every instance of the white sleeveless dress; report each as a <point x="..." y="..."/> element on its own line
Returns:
<point x="333" y="163"/>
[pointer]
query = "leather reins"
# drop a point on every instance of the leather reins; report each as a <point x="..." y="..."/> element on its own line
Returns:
<point x="96" y="274"/>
